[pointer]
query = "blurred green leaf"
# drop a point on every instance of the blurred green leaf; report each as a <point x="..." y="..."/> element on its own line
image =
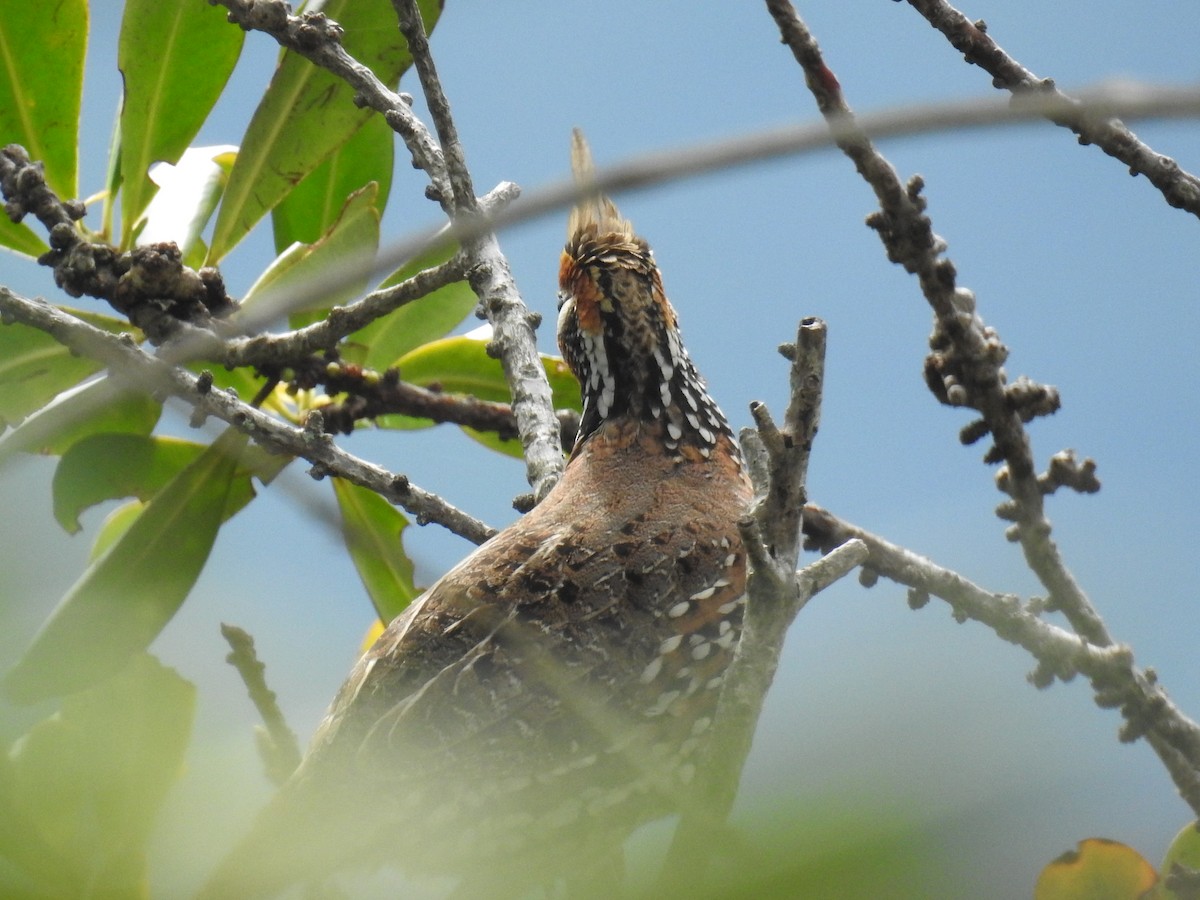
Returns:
<point x="29" y="867"/>
<point x="823" y="848"/>
<point x="94" y="408"/>
<point x="255" y="461"/>
<point x="1099" y="869"/>
<point x="1184" y="851"/>
<point x="354" y="235"/>
<point x="307" y="113"/>
<point x="42" y="47"/>
<point x="387" y="339"/>
<point x="34" y="367"/>
<point x="125" y="598"/>
<point x="316" y="202"/>
<point x="175" y="59"/>
<point x="104" y="466"/>
<point x="88" y="782"/>
<point x="115" y="524"/>
<point x="373" y="530"/>
<point x="20" y="238"/>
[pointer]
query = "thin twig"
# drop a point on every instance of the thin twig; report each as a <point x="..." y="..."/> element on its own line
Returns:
<point x="747" y="682"/>
<point x="1181" y="189"/>
<point x="340" y="322"/>
<point x="277" y="742"/>
<point x="318" y="39"/>
<point x="390" y="397"/>
<point x="1127" y="99"/>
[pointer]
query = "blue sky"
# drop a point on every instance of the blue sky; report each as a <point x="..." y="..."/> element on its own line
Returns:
<point x="1084" y="271"/>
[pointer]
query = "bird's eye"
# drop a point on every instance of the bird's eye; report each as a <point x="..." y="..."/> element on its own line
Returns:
<point x="562" y="298"/>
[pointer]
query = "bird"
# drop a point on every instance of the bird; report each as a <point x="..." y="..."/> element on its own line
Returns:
<point x="550" y="693"/>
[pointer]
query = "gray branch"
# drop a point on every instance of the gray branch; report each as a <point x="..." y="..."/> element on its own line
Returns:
<point x="318" y="39"/>
<point x="1180" y="188"/>
<point x="966" y="365"/>
<point x="1116" y="682"/>
<point x="778" y="463"/>
<point x="134" y="367"/>
<point x="513" y="324"/>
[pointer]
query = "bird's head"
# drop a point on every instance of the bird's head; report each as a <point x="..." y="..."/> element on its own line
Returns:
<point x="619" y="334"/>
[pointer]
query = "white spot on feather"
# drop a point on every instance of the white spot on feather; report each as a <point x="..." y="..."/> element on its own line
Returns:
<point x="651" y="671"/>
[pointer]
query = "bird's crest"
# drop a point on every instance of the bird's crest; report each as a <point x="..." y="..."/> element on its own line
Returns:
<point x="595" y="213"/>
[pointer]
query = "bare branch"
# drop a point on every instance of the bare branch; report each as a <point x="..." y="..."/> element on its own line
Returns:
<point x="770" y="610"/>
<point x="1180" y="188"/>
<point x="965" y="365"/>
<point x="1115" y="680"/>
<point x="512" y="323"/>
<point x="277" y="742"/>
<point x="389" y="396"/>
<point x="269" y="349"/>
<point x="150" y="285"/>
<point x="134" y="366"/>
<point x="318" y="39"/>
<point x="778" y="462"/>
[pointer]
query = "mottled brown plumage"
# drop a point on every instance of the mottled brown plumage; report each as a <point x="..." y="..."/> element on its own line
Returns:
<point x="548" y="694"/>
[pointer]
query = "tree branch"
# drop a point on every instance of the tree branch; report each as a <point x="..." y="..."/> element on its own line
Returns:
<point x="965" y="367"/>
<point x="1180" y="188"/>
<point x="277" y="743"/>
<point x="140" y="371"/>
<point x="149" y="284"/>
<point x="341" y="321"/>
<point x="318" y="40"/>
<point x="512" y="323"/>
<point x="1116" y="681"/>
<point x="776" y="592"/>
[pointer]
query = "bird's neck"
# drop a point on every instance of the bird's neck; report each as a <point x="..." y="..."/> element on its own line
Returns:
<point x="660" y="391"/>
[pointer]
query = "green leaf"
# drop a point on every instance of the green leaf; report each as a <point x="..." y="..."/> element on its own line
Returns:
<point x="42" y="47"/>
<point x="353" y="236"/>
<point x="34" y="367"/>
<point x="307" y="113"/>
<point x="315" y="203"/>
<point x="105" y="466"/>
<point x="188" y="193"/>
<point x="255" y="461"/>
<point x="125" y="598"/>
<point x="1099" y="870"/>
<point x="20" y="238"/>
<point x="94" y="408"/>
<point x="88" y="782"/>
<point x="387" y="339"/>
<point x="460" y="365"/>
<point x="115" y="524"/>
<point x="175" y="58"/>
<point x="373" y="530"/>
<point x="1184" y="851"/>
